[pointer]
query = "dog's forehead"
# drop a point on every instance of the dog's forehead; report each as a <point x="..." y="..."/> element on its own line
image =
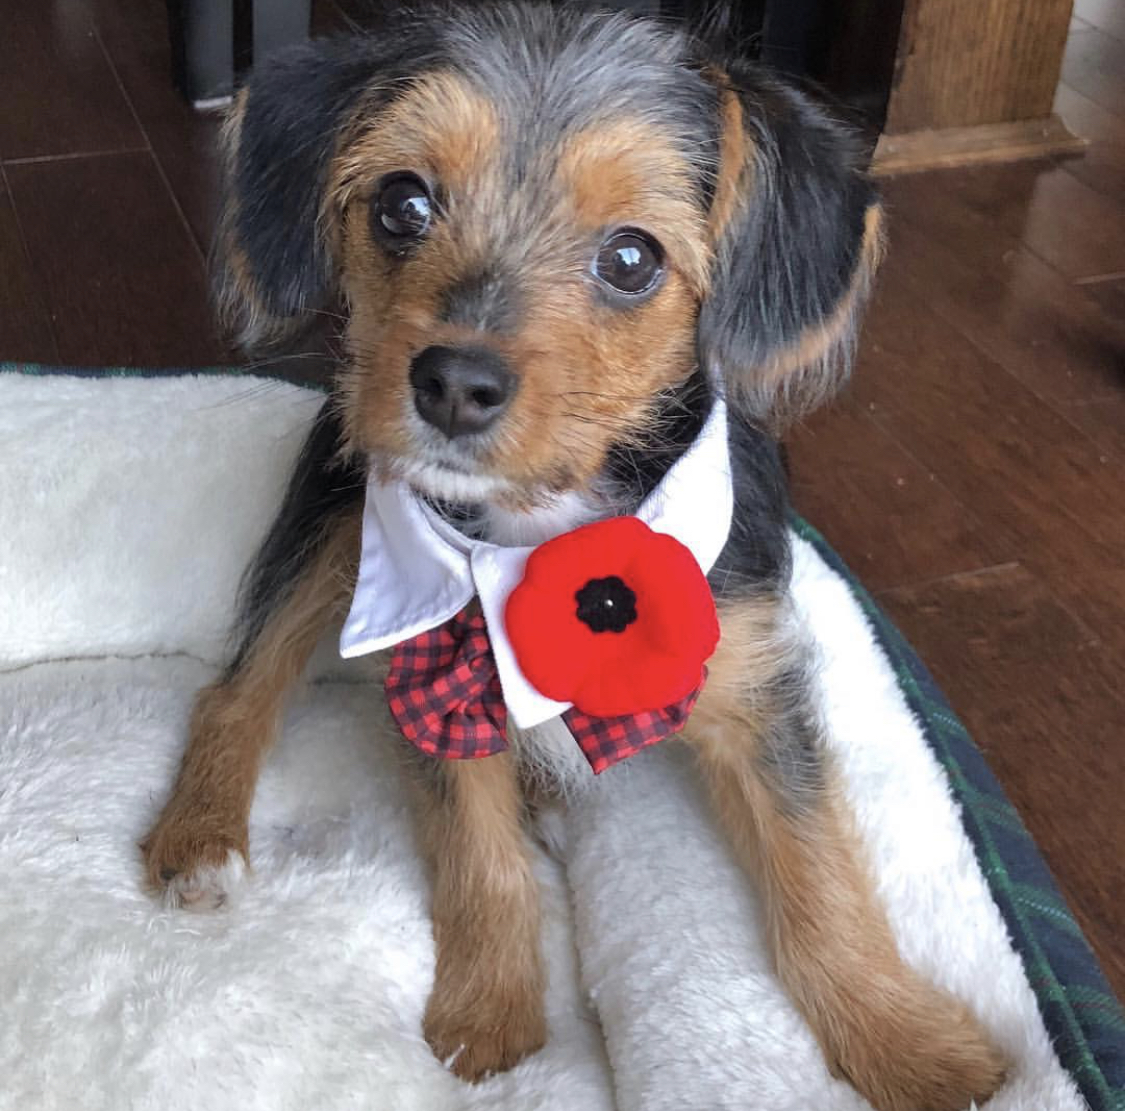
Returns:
<point x="554" y="72"/>
<point x="531" y="93"/>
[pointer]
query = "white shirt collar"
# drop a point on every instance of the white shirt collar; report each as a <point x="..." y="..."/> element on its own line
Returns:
<point x="416" y="570"/>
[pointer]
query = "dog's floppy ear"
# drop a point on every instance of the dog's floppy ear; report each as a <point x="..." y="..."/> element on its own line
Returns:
<point x="795" y="224"/>
<point x="275" y="253"/>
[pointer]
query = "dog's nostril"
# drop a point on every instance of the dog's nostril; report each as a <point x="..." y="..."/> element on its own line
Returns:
<point x="460" y="390"/>
<point x="486" y="398"/>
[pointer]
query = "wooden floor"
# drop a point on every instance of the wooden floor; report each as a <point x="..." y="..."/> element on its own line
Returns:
<point x="974" y="476"/>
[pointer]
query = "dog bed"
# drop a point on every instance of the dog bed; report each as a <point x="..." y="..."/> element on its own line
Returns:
<point x="129" y="504"/>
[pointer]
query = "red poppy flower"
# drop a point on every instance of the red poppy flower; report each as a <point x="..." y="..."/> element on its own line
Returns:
<point x="613" y="617"/>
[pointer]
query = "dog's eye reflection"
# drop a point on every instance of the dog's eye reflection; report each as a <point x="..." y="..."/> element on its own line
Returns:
<point x="630" y="262"/>
<point x="401" y="210"/>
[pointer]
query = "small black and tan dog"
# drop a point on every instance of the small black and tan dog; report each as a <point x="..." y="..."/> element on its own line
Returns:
<point x="580" y="226"/>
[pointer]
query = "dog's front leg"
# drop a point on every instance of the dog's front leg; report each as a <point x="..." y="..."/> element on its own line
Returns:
<point x="903" y="1043"/>
<point x="486" y="1009"/>
<point x="200" y="843"/>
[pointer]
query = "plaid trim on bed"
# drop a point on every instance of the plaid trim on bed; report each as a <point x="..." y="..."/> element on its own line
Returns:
<point x="1081" y="1014"/>
<point x="1084" y="1019"/>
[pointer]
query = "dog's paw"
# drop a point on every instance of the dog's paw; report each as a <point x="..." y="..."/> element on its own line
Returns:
<point x="922" y="1052"/>
<point x="191" y="864"/>
<point x="206" y="886"/>
<point x="486" y="1037"/>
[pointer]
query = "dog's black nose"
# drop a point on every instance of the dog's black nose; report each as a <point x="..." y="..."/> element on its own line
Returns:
<point x="460" y="390"/>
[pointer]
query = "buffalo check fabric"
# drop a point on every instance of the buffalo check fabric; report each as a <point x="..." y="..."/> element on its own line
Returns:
<point x="604" y="741"/>
<point x="444" y="692"/>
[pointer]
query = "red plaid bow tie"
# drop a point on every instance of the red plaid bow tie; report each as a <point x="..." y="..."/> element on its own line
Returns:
<point x="444" y="692"/>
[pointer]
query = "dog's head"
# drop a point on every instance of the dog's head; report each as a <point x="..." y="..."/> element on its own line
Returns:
<point x="542" y="222"/>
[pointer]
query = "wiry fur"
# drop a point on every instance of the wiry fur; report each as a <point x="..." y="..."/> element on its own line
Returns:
<point x="486" y="1009"/>
<point x="326" y="487"/>
<point x="233" y="725"/>
<point x="798" y="239"/>
<point x="902" y="1043"/>
<point x="539" y="132"/>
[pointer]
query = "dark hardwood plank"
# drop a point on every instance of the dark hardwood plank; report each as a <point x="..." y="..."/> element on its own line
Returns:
<point x="1072" y="227"/>
<point x="950" y="400"/>
<point x="1044" y="702"/>
<point x="890" y="518"/>
<point x="1025" y="470"/>
<point x="1040" y="327"/>
<point x="1109" y="292"/>
<point x="56" y="87"/>
<point x="124" y="282"/>
<point x="1104" y="423"/>
<point x="185" y="142"/>
<point x="1094" y="64"/>
<point x="25" y="328"/>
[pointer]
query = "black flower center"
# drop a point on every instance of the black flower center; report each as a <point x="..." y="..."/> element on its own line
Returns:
<point x="606" y="605"/>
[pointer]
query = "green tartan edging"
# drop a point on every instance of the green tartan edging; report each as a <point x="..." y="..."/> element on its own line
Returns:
<point x="1082" y="1016"/>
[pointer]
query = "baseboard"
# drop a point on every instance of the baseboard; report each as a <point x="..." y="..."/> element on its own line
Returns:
<point x="966" y="146"/>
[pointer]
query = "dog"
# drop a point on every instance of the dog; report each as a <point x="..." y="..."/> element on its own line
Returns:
<point x="558" y="236"/>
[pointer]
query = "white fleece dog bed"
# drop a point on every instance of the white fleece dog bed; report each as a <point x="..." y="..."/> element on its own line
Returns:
<point x="128" y="509"/>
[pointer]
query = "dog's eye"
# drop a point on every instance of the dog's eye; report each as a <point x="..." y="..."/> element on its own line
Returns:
<point x="401" y="210"/>
<point x="630" y="262"/>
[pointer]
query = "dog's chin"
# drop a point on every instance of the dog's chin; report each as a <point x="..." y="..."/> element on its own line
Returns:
<point x="502" y="511"/>
<point x="451" y="484"/>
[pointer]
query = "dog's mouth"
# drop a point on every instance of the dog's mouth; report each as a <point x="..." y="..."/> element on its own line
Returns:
<point x="451" y="481"/>
<point x="454" y="478"/>
<point x="464" y="470"/>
